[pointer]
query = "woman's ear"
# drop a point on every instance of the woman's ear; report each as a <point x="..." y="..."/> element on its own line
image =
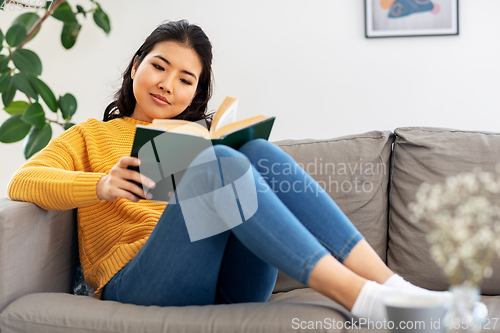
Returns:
<point x="132" y="74"/>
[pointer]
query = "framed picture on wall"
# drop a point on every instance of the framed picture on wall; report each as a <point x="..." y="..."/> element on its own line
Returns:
<point x="403" y="18"/>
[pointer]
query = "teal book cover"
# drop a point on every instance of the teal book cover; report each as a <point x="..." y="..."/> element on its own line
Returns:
<point x="165" y="155"/>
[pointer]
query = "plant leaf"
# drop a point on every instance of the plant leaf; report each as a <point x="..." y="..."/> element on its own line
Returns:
<point x="67" y="126"/>
<point x="17" y="107"/>
<point x="21" y="82"/>
<point x="13" y="129"/>
<point x="69" y="34"/>
<point x="8" y="95"/>
<point x="37" y="139"/>
<point x="64" y="13"/>
<point x="102" y="20"/>
<point x="68" y="105"/>
<point x="5" y="82"/>
<point x="1" y="39"/>
<point x="5" y="71"/>
<point x="16" y="35"/>
<point x="34" y="115"/>
<point x="47" y="95"/>
<point x="27" y="61"/>
<point x="28" y="20"/>
<point x="81" y="10"/>
<point x="4" y="62"/>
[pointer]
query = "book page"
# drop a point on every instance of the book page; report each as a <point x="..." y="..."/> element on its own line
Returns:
<point x="237" y="125"/>
<point x="226" y="113"/>
<point x="152" y="127"/>
<point x="183" y="127"/>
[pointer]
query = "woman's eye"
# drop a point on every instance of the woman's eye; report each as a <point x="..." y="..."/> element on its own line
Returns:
<point x="185" y="81"/>
<point x="157" y="67"/>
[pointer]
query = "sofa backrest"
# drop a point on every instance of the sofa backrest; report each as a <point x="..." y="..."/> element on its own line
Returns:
<point x="430" y="155"/>
<point x="354" y="170"/>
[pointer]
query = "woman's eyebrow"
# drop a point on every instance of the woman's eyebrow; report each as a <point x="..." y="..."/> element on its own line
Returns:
<point x="168" y="63"/>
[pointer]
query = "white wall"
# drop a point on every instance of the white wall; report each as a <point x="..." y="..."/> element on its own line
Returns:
<point x="305" y="61"/>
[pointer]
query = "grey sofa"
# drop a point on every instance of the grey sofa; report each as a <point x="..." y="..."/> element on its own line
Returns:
<point x="372" y="176"/>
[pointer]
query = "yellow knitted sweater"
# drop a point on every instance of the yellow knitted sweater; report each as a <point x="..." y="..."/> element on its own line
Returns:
<point x="64" y="175"/>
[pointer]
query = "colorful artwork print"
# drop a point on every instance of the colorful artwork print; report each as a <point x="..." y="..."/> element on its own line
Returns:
<point x="401" y="8"/>
<point x="393" y="18"/>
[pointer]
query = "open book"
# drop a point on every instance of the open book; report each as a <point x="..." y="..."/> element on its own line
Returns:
<point x="168" y="146"/>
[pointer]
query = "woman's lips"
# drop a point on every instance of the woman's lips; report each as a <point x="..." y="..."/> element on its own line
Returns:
<point x="160" y="100"/>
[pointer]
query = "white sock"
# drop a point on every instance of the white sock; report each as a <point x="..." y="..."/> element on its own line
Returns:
<point x="480" y="310"/>
<point x="369" y="302"/>
<point x="397" y="281"/>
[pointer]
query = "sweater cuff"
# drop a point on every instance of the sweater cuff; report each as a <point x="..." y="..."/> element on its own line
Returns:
<point x="85" y="189"/>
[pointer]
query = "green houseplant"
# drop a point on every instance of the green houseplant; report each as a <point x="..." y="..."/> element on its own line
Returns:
<point x="21" y="68"/>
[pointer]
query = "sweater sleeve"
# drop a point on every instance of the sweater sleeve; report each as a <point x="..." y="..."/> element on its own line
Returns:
<point x="58" y="177"/>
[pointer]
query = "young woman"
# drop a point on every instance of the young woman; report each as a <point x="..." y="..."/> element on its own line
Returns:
<point x="137" y="251"/>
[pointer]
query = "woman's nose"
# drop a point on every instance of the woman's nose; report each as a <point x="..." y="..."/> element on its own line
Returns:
<point x="166" y="84"/>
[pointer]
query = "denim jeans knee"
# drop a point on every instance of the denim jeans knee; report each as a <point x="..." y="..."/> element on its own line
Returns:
<point x="220" y="178"/>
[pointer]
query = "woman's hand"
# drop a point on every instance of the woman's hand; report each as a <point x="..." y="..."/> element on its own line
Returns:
<point x="116" y="184"/>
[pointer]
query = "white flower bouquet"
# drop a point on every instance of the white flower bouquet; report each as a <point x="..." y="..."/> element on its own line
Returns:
<point x="463" y="220"/>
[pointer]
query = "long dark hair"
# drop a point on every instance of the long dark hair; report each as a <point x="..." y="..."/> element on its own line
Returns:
<point x="186" y="34"/>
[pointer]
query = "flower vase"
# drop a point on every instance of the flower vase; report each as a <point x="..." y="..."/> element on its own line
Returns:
<point x="459" y="317"/>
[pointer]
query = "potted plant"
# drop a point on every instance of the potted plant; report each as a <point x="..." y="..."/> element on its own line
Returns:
<point x="21" y="70"/>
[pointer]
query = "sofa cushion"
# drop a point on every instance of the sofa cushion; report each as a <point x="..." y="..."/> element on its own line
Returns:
<point x="56" y="312"/>
<point x="354" y="170"/>
<point x="430" y="155"/>
<point x="37" y="250"/>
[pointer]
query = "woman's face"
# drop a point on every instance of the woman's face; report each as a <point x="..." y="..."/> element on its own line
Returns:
<point x="165" y="81"/>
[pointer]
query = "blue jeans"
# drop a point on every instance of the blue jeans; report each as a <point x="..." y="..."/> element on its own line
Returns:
<point x="295" y="225"/>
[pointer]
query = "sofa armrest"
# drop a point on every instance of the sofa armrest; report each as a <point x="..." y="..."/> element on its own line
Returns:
<point x="38" y="250"/>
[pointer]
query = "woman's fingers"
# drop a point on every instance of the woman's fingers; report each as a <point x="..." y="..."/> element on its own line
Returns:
<point x="133" y="189"/>
<point x="120" y="193"/>
<point x="117" y="184"/>
<point x="146" y="181"/>
<point x="121" y="180"/>
<point x="124" y="162"/>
